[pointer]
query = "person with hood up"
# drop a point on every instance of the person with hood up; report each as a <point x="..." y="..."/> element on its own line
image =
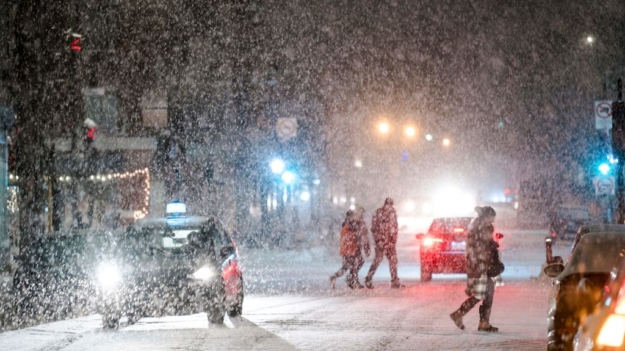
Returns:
<point x="384" y="229"/>
<point x="350" y="251"/>
<point x="482" y="272"/>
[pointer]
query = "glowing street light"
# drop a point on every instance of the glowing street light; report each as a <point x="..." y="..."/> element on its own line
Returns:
<point x="411" y="132"/>
<point x="288" y="177"/>
<point x="604" y="168"/>
<point x="358" y="164"/>
<point x="277" y="166"/>
<point x="446" y="142"/>
<point x="590" y="39"/>
<point x="304" y="196"/>
<point x="384" y="127"/>
<point x="429" y="137"/>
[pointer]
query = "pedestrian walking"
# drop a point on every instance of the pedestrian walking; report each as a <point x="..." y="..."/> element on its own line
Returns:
<point x="483" y="269"/>
<point x="384" y="229"/>
<point x="349" y="250"/>
<point x="363" y="240"/>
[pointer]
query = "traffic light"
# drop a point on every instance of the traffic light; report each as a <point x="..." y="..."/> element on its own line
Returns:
<point x="604" y="168"/>
<point x="75" y="40"/>
<point x="75" y="45"/>
<point x="91" y="128"/>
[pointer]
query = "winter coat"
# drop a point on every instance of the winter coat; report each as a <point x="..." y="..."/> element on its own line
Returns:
<point x="349" y="239"/>
<point x="363" y="234"/>
<point x="479" y="257"/>
<point x="384" y="227"/>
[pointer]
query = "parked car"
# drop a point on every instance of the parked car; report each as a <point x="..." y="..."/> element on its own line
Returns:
<point x="578" y="285"/>
<point x="443" y="248"/>
<point x="583" y="230"/>
<point x="172" y="266"/>
<point x="605" y="329"/>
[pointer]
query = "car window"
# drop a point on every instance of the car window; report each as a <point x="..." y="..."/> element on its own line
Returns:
<point x="449" y="225"/>
<point x="221" y="235"/>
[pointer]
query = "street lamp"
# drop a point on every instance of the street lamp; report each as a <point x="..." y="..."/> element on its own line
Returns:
<point x="590" y="40"/>
<point x="358" y="164"/>
<point x="446" y="142"/>
<point x="384" y="127"/>
<point x="604" y="168"/>
<point x="410" y="132"/>
<point x="288" y="177"/>
<point x="277" y="166"/>
<point x="429" y="137"/>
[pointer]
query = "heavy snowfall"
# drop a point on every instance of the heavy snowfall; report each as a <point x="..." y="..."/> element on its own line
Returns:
<point x="227" y="174"/>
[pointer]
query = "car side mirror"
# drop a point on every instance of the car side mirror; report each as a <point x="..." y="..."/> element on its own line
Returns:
<point x="419" y="236"/>
<point x="226" y="251"/>
<point x="498" y="236"/>
<point x="553" y="270"/>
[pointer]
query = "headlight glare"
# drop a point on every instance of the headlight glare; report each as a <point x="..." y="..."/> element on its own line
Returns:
<point x="204" y="273"/>
<point x="108" y="276"/>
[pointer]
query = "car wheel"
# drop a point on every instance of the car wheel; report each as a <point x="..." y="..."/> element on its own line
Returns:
<point x="237" y="308"/>
<point x="216" y="315"/>
<point x="426" y="273"/>
<point x="110" y="322"/>
<point x="133" y="318"/>
<point x="216" y="304"/>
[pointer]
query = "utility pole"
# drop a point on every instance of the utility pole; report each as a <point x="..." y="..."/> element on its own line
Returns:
<point x="618" y="142"/>
<point x="30" y="77"/>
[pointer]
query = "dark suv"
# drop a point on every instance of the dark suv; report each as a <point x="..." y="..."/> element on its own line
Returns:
<point x="171" y="266"/>
<point x="443" y="248"/>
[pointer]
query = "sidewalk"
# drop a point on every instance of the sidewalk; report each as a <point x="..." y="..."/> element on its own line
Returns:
<point x="6" y="302"/>
<point x="49" y="336"/>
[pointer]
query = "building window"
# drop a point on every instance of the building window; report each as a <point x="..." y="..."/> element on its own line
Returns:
<point x="101" y="106"/>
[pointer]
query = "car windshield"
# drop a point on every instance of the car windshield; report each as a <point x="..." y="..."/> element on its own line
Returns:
<point x="595" y="253"/>
<point x="577" y="214"/>
<point x="450" y="225"/>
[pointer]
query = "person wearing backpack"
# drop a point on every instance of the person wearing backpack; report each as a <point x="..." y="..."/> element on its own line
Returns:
<point x="349" y="250"/>
<point x="384" y="229"/>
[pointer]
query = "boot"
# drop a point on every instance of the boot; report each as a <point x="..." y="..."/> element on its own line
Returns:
<point x="368" y="284"/>
<point x="457" y="318"/>
<point x="484" y="323"/>
<point x="332" y="282"/>
<point x="486" y="327"/>
<point x="397" y="285"/>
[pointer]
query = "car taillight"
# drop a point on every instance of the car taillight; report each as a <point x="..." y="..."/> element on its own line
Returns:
<point x="431" y="241"/>
<point x="612" y="332"/>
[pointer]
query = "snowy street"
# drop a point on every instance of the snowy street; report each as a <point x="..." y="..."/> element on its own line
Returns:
<point x="296" y="310"/>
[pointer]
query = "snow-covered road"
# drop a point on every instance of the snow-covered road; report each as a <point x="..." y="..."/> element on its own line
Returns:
<point x="290" y="307"/>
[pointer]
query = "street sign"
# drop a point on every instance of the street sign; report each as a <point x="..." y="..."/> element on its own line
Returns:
<point x="286" y="128"/>
<point x="604" y="185"/>
<point x="603" y="114"/>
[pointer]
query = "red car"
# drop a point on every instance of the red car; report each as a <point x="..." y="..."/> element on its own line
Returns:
<point x="443" y="248"/>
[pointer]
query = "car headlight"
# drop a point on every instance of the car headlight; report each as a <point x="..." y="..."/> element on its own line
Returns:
<point x="204" y="273"/>
<point x="108" y="276"/>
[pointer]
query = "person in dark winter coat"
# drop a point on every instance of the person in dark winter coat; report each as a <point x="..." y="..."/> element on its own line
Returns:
<point x="363" y="239"/>
<point x="480" y="287"/>
<point x="384" y="229"/>
<point x="350" y="251"/>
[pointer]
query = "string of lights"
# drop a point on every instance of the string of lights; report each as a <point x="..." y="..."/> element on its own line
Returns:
<point x="145" y="172"/>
